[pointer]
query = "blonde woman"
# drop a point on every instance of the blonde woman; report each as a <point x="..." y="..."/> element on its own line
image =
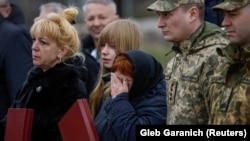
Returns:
<point x="57" y="79"/>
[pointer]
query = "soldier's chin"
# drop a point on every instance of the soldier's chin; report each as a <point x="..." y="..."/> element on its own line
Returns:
<point x="233" y="41"/>
<point x="169" y="38"/>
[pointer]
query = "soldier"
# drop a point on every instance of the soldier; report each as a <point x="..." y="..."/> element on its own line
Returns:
<point x="194" y="42"/>
<point x="230" y="90"/>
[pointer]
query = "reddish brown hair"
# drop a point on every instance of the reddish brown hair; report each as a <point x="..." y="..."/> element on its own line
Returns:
<point x="123" y="65"/>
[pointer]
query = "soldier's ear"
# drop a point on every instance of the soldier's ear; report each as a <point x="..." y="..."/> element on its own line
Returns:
<point x="193" y="13"/>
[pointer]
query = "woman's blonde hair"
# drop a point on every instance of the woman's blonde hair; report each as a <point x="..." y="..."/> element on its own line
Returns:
<point x="124" y="35"/>
<point x="58" y="27"/>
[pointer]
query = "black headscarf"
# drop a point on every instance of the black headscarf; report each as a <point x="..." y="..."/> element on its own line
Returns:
<point x="147" y="71"/>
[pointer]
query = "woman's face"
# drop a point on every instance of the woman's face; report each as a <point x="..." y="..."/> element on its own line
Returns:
<point x="45" y="52"/>
<point x="108" y="55"/>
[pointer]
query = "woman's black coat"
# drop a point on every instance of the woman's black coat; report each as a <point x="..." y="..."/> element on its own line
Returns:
<point x="51" y="94"/>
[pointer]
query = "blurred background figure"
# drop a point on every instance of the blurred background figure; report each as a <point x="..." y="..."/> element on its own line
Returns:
<point x="15" y="15"/>
<point x="15" y="54"/>
<point x="47" y="8"/>
<point x="97" y="14"/>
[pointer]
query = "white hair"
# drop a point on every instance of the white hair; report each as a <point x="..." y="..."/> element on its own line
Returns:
<point x="55" y="6"/>
<point x="105" y="2"/>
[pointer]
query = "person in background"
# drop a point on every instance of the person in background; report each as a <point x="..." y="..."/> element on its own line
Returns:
<point x="97" y="14"/>
<point x="112" y="41"/>
<point x="229" y="100"/>
<point x="133" y="101"/>
<point x="15" y="54"/>
<point x="50" y="7"/>
<point x="194" y="42"/>
<point x="58" y="78"/>
<point x="15" y="15"/>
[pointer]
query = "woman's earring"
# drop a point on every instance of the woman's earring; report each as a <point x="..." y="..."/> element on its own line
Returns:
<point x="60" y="58"/>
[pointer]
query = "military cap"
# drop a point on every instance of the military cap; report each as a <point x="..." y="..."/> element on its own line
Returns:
<point x="169" y="5"/>
<point x="230" y="5"/>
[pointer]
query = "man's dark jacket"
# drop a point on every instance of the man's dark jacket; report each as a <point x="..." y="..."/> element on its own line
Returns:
<point x="91" y="63"/>
<point x="15" y="59"/>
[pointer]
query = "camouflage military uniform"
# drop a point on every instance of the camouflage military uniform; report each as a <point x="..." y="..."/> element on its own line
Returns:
<point x="187" y="75"/>
<point x="230" y="5"/>
<point x="229" y="95"/>
<point x="169" y="5"/>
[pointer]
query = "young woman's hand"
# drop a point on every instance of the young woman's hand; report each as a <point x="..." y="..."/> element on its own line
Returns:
<point x="118" y="85"/>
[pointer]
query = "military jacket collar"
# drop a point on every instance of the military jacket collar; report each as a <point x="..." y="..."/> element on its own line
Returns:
<point x="186" y="46"/>
<point x="206" y="35"/>
<point x="235" y="53"/>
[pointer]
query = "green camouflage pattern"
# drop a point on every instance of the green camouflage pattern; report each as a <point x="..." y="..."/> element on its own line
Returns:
<point x="230" y="5"/>
<point x="229" y="96"/>
<point x="187" y="75"/>
<point x="169" y="5"/>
